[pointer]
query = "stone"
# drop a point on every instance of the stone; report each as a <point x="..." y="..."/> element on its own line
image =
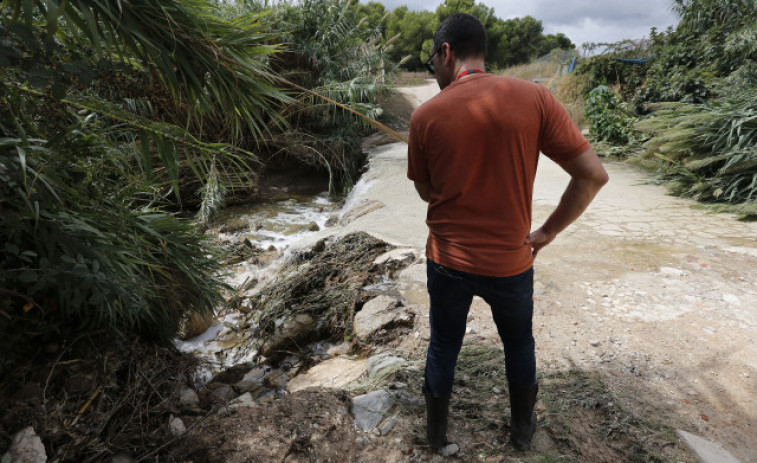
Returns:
<point x="379" y="313"/>
<point x="594" y="342"/>
<point x="294" y="329"/>
<point x="333" y="220"/>
<point x="224" y="393"/>
<point x="243" y="401"/>
<point x="369" y="409"/>
<point x="388" y="424"/>
<point x="339" y="349"/>
<point x="449" y="450"/>
<point x="277" y="378"/>
<point x="196" y="324"/>
<point x="312" y="226"/>
<point x="252" y="381"/>
<point x="176" y="426"/>
<point x="706" y="451"/>
<point x="334" y="373"/>
<point x="26" y="447"/>
<point x="382" y="363"/>
<point x="399" y="254"/>
<point x="188" y="398"/>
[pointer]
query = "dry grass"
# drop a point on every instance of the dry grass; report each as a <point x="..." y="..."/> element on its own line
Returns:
<point x="580" y="420"/>
<point x="95" y="396"/>
<point x="410" y="79"/>
<point x="570" y="91"/>
<point x="531" y="71"/>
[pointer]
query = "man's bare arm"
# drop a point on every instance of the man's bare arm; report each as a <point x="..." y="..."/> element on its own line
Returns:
<point x="588" y="176"/>
<point x="423" y="189"/>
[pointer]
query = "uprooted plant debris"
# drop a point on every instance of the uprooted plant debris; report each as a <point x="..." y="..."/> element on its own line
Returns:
<point x="93" y="397"/>
<point x="319" y="292"/>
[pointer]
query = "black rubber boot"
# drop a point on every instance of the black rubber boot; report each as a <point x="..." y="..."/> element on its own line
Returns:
<point x="522" y="415"/>
<point x="437" y="410"/>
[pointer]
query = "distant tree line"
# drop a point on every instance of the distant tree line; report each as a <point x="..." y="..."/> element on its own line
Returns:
<point x="510" y="41"/>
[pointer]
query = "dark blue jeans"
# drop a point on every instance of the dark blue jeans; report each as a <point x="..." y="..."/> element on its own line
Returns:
<point x="511" y="301"/>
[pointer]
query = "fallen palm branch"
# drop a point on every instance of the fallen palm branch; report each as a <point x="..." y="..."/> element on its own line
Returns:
<point x="378" y="125"/>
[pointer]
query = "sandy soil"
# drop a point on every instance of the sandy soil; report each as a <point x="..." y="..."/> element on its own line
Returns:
<point x="651" y="291"/>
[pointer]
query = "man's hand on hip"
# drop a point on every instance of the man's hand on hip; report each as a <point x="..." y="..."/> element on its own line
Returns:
<point x="537" y="240"/>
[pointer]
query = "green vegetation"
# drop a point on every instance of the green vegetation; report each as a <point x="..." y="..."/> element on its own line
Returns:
<point x="510" y="42"/>
<point x="610" y="120"/>
<point x="92" y="160"/>
<point x="708" y="151"/>
<point x="333" y="49"/>
<point x="699" y="85"/>
<point x="116" y="120"/>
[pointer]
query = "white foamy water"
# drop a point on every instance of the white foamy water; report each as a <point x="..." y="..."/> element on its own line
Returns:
<point x="279" y="224"/>
<point x="356" y="195"/>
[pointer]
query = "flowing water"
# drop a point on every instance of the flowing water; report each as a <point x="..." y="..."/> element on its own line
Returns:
<point x="273" y="226"/>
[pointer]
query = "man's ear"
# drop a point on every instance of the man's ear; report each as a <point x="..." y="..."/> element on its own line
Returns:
<point x="448" y="56"/>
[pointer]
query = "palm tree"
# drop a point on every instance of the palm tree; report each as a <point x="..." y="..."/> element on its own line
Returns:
<point x="85" y="168"/>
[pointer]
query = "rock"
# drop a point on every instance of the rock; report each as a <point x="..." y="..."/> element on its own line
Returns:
<point x="224" y="393"/>
<point x="188" y="398"/>
<point x="382" y="363"/>
<point x="295" y="329"/>
<point x="243" y="401"/>
<point x="369" y="409"/>
<point x="231" y="375"/>
<point x="196" y="324"/>
<point x="388" y="424"/>
<point x="313" y="227"/>
<point x="594" y="342"/>
<point x="235" y="225"/>
<point x="378" y="313"/>
<point x="449" y="450"/>
<point x="277" y="378"/>
<point x="706" y="451"/>
<point x="252" y="380"/>
<point x="333" y="220"/>
<point x="399" y="254"/>
<point x="176" y="426"/>
<point x="339" y="349"/>
<point x="26" y="447"/>
<point x="333" y="373"/>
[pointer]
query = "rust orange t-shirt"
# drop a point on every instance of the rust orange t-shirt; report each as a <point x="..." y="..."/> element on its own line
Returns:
<point x="477" y="144"/>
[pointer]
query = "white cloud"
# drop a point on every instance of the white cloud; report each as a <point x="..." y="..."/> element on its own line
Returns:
<point x="581" y="20"/>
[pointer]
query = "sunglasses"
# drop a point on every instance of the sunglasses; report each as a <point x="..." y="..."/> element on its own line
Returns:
<point x="429" y="66"/>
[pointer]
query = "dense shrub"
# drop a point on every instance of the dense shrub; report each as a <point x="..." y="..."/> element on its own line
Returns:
<point x="608" y="117"/>
<point x="707" y="151"/>
<point x="88" y="168"/>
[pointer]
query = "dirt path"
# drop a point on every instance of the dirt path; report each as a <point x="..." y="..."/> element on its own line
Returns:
<point x="657" y="295"/>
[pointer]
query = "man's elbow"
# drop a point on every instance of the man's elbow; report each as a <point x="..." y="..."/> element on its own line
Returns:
<point x="601" y="178"/>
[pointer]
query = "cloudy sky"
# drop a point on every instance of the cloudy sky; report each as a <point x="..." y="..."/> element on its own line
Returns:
<point x="581" y="20"/>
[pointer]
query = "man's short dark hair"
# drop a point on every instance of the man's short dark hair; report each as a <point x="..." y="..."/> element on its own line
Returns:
<point x="465" y="35"/>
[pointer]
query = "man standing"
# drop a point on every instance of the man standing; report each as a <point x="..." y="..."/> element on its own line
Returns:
<point x="472" y="155"/>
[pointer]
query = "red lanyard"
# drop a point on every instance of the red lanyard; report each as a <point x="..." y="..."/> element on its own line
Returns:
<point x="470" y="71"/>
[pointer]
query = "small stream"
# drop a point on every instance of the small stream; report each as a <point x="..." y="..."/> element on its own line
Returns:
<point x="272" y="226"/>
